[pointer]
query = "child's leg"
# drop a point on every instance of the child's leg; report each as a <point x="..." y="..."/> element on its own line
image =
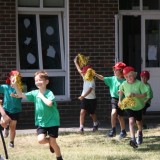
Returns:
<point x="54" y="145"/>
<point x="121" y="122"/>
<point x="42" y="139"/>
<point x="82" y="117"/>
<point x="12" y="127"/>
<point x="131" y="127"/>
<point x="113" y="117"/>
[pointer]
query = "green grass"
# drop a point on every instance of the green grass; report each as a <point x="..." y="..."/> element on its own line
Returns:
<point x="90" y="146"/>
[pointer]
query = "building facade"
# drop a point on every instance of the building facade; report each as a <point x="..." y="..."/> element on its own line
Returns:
<point x="48" y="34"/>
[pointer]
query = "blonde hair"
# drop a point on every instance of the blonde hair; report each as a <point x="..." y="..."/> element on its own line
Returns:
<point x="131" y="73"/>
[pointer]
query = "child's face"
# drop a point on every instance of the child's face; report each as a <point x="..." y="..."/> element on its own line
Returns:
<point x="130" y="78"/>
<point x="40" y="82"/>
<point x="117" y="72"/>
<point x="144" y="79"/>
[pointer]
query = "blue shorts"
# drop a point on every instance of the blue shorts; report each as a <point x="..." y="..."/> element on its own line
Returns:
<point x="136" y="114"/>
<point x="89" y="105"/>
<point x="51" y="131"/>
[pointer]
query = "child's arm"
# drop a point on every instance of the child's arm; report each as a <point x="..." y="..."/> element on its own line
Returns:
<point x="77" y="66"/>
<point x="120" y="97"/>
<point x="45" y="100"/>
<point x="5" y="117"/>
<point x="138" y="95"/>
<point x="99" y="76"/>
<point x="86" y="94"/>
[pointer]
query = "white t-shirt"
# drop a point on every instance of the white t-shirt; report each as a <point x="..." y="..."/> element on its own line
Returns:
<point x="86" y="86"/>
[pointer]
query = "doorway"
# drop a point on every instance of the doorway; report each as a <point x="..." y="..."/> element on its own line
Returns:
<point x="132" y="42"/>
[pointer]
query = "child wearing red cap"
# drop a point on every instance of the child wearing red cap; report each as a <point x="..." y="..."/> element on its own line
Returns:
<point x="145" y="76"/>
<point x="12" y="107"/>
<point x="113" y="82"/>
<point x="88" y="96"/>
<point x="136" y="90"/>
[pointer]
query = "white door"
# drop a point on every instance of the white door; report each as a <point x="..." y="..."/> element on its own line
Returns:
<point x="150" y="29"/>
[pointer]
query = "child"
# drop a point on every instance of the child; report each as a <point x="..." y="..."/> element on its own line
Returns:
<point x="113" y="83"/>
<point x="47" y="117"/>
<point x="12" y="106"/>
<point x="88" y="96"/>
<point x="144" y="78"/>
<point x="136" y="91"/>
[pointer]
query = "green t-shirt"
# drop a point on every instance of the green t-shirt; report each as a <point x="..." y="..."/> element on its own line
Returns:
<point x="45" y="116"/>
<point x="10" y="104"/>
<point x="113" y="83"/>
<point x="149" y="93"/>
<point x="138" y="88"/>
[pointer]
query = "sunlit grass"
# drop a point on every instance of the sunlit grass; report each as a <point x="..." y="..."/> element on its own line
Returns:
<point x="89" y="146"/>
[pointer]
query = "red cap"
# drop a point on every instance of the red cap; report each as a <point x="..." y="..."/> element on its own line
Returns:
<point x="119" y="65"/>
<point x="128" y="69"/>
<point x="145" y="74"/>
<point x="85" y="68"/>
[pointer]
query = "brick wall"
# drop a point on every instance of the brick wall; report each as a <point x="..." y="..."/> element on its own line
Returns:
<point x="91" y="31"/>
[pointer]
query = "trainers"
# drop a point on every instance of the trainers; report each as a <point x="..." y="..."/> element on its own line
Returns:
<point x="122" y="134"/>
<point x="140" y="139"/>
<point x="81" y="130"/>
<point x="11" y="144"/>
<point x="6" y="132"/>
<point x="133" y="143"/>
<point x="112" y="133"/>
<point x="51" y="149"/>
<point x="95" y="128"/>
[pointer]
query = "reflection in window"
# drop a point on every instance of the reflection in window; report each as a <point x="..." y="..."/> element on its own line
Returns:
<point x="50" y="42"/>
<point x="152" y="43"/>
<point x="28" y="48"/>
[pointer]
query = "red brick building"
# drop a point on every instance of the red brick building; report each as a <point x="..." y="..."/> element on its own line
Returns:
<point x="48" y="34"/>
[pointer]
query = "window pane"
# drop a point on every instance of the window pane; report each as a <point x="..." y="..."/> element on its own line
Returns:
<point x="56" y="84"/>
<point x="28" y="50"/>
<point x="28" y="3"/>
<point x="151" y="5"/>
<point x="152" y="43"/>
<point x="50" y="40"/>
<point x="129" y="5"/>
<point x="53" y="3"/>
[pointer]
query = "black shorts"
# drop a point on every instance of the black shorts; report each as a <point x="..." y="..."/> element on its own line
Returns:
<point x="145" y="108"/>
<point x="13" y="116"/>
<point x="136" y="114"/>
<point x="51" y="131"/>
<point x="89" y="105"/>
<point x="114" y="103"/>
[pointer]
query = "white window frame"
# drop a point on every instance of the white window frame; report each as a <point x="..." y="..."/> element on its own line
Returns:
<point x="64" y="50"/>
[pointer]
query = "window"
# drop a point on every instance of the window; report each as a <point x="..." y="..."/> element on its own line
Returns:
<point x="42" y="43"/>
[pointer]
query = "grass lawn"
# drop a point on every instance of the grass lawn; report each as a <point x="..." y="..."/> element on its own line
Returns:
<point x="89" y="146"/>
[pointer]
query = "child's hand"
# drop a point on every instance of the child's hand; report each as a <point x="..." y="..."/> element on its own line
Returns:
<point x="81" y="98"/>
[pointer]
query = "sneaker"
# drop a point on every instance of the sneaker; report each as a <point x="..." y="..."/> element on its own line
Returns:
<point x="95" y="128"/>
<point x="140" y="139"/>
<point x="51" y="149"/>
<point x="112" y="133"/>
<point x="6" y="132"/>
<point x="133" y="143"/>
<point x="81" y="130"/>
<point x="122" y="134"/>
<point x="11" y="145"/>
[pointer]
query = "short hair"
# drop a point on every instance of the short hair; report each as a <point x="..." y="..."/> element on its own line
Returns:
<point x="42" y="74"/>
